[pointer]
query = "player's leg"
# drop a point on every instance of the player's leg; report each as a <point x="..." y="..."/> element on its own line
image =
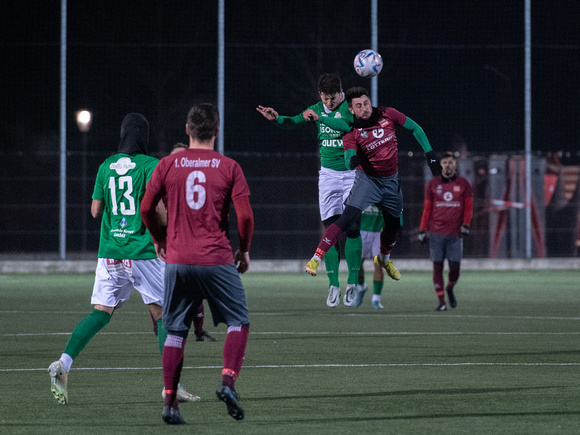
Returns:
<point x="378" y="275"/>
<point x="388" y="239"/>
<point x="200" y="333"/>
<point x="353" y="245"/>
<point x="391" y="206"/>
<point x="454" y="255"/>
<point x="437" y="256"/>
<point x="361" y="195"/>
<point x="147" y="276"/>
<point x="111" y="288"/>
<point x="227" y="301"/>
<point x="179" y="306"/>
<point x="331" y="263"/>
<point x="353" y="254"/>
<point x="330" y="203"/>
<point x="332" y="235"/>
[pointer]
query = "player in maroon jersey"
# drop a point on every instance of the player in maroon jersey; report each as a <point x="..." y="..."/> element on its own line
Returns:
<point x="200" y="184"/>
<point x="371" y="148"/>
<point x="447" y="213"/>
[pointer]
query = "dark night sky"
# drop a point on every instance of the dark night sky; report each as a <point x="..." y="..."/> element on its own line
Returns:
<point x="456" y="68"/>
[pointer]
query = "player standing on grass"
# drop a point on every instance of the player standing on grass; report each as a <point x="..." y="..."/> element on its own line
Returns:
<point x="200" y="184"/>
<point x="371" y="148"/>
<point x="199" y="332"/>
<point x="447" y="214"/>
<point x="127" y="257"/>
<point x="333" y="120"/>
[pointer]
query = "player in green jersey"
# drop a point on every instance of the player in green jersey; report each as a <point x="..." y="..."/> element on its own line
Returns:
<point x="332" y="119"/>
<point x="127" y="257"/>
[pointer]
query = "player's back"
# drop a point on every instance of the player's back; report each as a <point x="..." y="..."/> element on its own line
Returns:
<point x="120" y="184"/>
<point x="200" y="185"/>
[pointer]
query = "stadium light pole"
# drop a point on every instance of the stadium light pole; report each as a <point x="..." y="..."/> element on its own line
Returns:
<point x="528" y="124"/>
<point x="375" y="47"/>
<point x="62" y="220"/>
<point x="84" y="121"/>
<point x="220" y="71"/>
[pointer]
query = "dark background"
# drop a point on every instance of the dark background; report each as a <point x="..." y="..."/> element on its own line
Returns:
<point x="456" y="68"/>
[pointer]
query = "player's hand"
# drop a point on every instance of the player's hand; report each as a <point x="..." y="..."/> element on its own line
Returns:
<point x="269" y="113"/>
<point x="422" y="237"/>
<point x="433" y="163"/>
<point x="242" y="260"/>
<point x="310" y="115"/>
<point x="160" y="248"/>
<point x="464" y="230"/>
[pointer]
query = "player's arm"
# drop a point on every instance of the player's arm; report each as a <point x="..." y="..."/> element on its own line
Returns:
<point x="421" y="137"/>
<point x="337" y="124"/>
<point x="97" y="208"/>
<point x="245" y="230"/>
<point x="161" y="211"/>
<point x="427" y="205"/>
<point x="286" y="122"/>
<point x="148" y="209"/>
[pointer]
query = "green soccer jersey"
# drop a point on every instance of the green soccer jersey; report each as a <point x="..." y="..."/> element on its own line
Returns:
<point x="331" y="127"/>
<point x="372" y="219"/>
<point x="120" y="184"/>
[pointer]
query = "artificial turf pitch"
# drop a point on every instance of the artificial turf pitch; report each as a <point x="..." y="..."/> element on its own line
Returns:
<point x="506" y="360"/>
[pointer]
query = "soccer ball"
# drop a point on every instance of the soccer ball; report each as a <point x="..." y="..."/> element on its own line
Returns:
<point x="368" y="63"/>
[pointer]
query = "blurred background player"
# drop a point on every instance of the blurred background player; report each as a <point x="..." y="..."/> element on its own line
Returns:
<point x="371" y="225"/>
<point x="335" y="179"/>
<point x="447" y="213"/>
<point x="200" y="185"/>
<point x="371" y="147"/>
<point x="127" y="257"/>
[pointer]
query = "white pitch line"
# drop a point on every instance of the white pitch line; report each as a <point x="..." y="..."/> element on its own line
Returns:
<point x="347" y="314"/>
<point x="322" y="333"/>
<point x="307" y="366"/>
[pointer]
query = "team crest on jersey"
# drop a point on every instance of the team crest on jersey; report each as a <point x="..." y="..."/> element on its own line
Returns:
<point x="337" y="115"/>
<point x="383" y="122"/>
<point x="457" y="188"/>
<point x="122" y="166"/>
<point x="378" y="133"/>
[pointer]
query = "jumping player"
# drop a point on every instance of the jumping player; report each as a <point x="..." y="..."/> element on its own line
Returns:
<point x="332" y="119"/>
<point x="371" y="148"/>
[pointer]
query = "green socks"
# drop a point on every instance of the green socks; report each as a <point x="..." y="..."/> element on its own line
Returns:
<point x="85" y="330"/>
<point x="161" y="335"/>
<point x="352" y="253"/>
<point x="377" y="287"/>
<point x="331" y="262"/>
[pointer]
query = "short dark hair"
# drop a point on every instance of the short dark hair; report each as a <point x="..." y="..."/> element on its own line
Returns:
<point x="203" y="121"/>
<point x="179" y="145"/>
<point x="329" y="83"/>
<point x="448" y="154"/>
<point x="355" y="92"/>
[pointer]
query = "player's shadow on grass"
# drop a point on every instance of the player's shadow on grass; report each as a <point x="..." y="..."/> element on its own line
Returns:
<point x="442" y="391"/>
<point x="432" y="416"/>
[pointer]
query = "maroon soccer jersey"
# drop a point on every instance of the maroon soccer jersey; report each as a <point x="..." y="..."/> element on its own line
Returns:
<point x="200" y="185"/>
<point x="447" y="201"/>
<point x="377" y="145"/>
